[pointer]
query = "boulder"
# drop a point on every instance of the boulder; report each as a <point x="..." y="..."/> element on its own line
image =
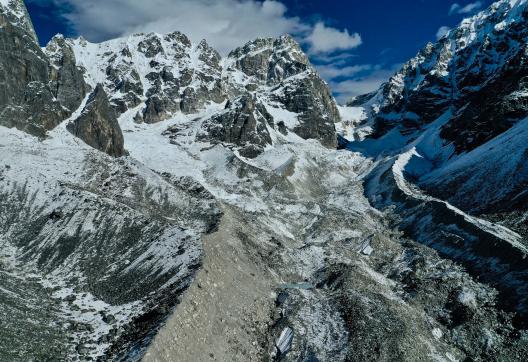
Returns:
<point x="97" y="126"/>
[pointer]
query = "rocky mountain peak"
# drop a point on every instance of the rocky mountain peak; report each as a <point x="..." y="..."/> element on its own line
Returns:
<point x="155" y="77"/>
<point x="15" y="12"/>
<point x="270" y="60"/>
<point x="470" y="68"/>
<point x="159" y="76"/>
<point x="27" y="100"/>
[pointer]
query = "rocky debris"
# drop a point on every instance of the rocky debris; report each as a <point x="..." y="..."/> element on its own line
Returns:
<point x="244" y="123"/>
<point x="108" y="318"/>
<point x="230" y="277"/>
<point x="284" y="342"/>
<point x="366" y="249"/>
<point x="97" y="125"/>
<point x="281" y="298"/>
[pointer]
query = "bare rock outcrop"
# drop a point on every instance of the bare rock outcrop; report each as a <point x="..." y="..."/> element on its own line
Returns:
<point x="97" y="126"/>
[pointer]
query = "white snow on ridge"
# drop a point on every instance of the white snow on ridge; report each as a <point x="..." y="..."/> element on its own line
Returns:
<point x="509" y="150"/>
<point x="497" y="230"/>
<point x="13" y="6"/>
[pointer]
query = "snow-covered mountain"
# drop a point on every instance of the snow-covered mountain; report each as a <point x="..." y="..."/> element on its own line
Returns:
<point x="161" y="202"/>
<point x="462" y="103"/>
<point x="476" y="69"/>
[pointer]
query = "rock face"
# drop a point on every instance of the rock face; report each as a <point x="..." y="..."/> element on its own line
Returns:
<point x="477" y="70"/>
<point x="312" y="100"/>
<point x="66" y="79"/>
<point x="15" y="12"/>
<point x="243" y="123"/>
<point x="36" y="95"/>
<point x="97" y="125"/>
<point x="159" y="77"/>
<point x="26" y="101"/>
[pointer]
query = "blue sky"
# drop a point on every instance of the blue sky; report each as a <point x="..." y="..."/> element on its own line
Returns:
<point x="355" y="44"/>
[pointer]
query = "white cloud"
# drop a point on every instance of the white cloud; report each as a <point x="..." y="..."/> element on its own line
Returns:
<point x="468" y="9"/>
<point x="225" y="24"/>
<point x="333" y="58"/>
<point x="443" y="30"/>
<point x="347" y="89"/>
<point x="324" y="39"/>
<point x="331" y="71"/>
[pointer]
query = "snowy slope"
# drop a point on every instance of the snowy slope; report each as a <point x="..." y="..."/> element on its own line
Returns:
<point x="492" y="173"/>
<point x="82" y="231"/>
<point x="461" y="102"/>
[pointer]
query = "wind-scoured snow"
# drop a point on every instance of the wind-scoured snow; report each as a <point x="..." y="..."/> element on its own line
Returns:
<point x="498" y="230"/>
<point x="477" y="173"/>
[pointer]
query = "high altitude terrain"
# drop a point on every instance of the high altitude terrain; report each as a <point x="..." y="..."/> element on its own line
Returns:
<point x="161" y="202"/>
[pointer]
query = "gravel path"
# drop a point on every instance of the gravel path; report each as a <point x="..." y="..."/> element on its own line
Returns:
<point x="224" y="315"/>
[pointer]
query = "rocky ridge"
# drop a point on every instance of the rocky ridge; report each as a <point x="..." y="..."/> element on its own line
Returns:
<point x="477" y="69"/>
<point x="460" y="102"/>
<point x="155" y="76"/>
